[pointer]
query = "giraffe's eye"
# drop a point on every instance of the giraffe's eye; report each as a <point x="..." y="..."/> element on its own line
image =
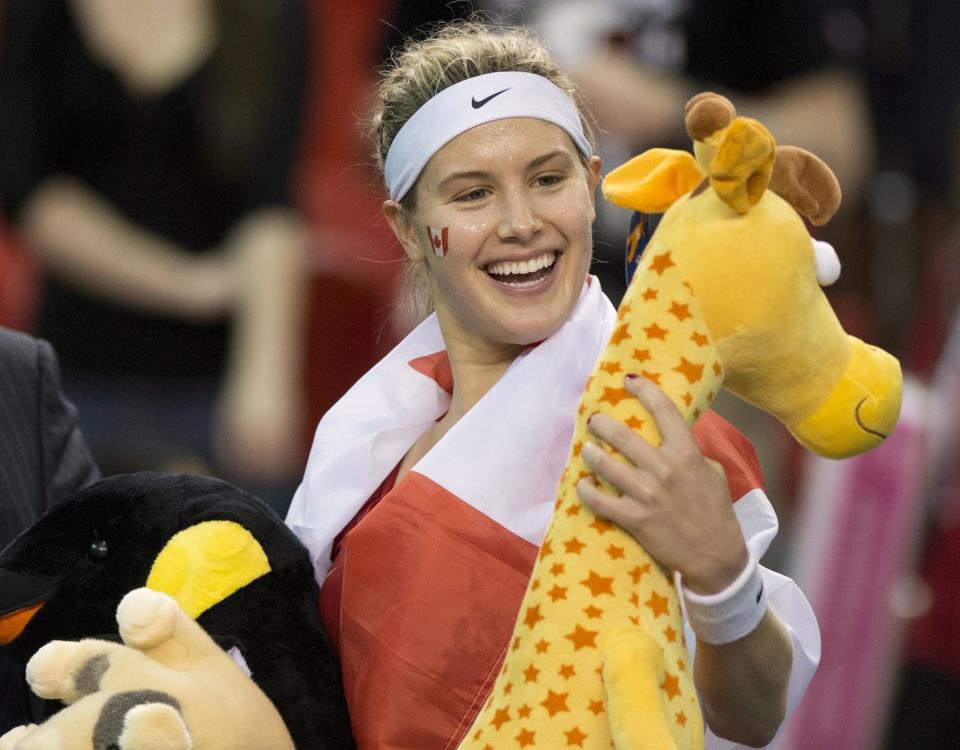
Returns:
<point x="97" y="550"/>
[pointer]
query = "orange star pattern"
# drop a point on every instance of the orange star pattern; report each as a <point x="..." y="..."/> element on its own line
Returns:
<point x="637" y="573"/>
<point x="615" y="552"/>
<point x="542" y="646"/>
<point x="670" y="634"/>
<point x="601" y="526"/>
<point x="531" y="673"/>
<point x="557" y="569"/>
<point x="661" y="263"/>
<point x="546" y="548"/>
<point x="592" y="612"/>
<point x="635" y="599"/>
<point x="533" y="616"/>
<point x="699" y="339"/>
<point x="680" y="665"/>
<point x="557" y="593"/>
<point x="614" y="395"/>
<point x="692" y="372"/>
<point x="523" y="712"/>
<point x="582" y="638"/>
<point x="574" y="546"/>
<point x="526" y="737"/>
<point x="671" y="685"/>
<point x="622" y="332"/>
<point x="516" y="641"/>
<point x="624" y="310"/>
<point x="575" y="737"/>
<point x="687" y="399"/>
<point x="501" y="717"/>
<point x="610" y="367"/>
<point x="598" y="584"/>
<point x="567" y="671"/>
<point x="652" y="376"/>
<point x="717" y="369"/>
<point x="641" y="355"/>
<point x="654" y="331"/>
<point x="649" y="294"/>
<point x="657" y="603"/>
<point x="555" y="703"/>
<point x="507" y="688"/>
<point x="681" y="718"/>
<point x="573" y="510"/>
<point x="577" y="447"/>
<point x="634" y="423"/>
<point x="596" y="707"/>
<point x="681" y="312"/>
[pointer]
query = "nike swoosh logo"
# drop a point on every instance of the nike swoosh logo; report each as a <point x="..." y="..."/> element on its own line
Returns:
<point x="477" y="104"/>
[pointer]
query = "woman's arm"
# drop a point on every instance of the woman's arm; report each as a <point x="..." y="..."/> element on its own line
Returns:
<point x="677" y="505"/>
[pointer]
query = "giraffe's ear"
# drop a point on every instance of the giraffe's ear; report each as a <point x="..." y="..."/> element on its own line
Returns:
<point x="652" y="181"/>
<point x="806" y="183"/>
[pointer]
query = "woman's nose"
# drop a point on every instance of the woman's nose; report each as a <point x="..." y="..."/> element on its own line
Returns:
<point x="520" y="220"/>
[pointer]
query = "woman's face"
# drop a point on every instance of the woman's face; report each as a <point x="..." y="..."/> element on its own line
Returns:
<point x="503" y="222"/>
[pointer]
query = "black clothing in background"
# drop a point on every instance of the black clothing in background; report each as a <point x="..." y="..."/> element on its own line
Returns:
<point x="153" y="159"/>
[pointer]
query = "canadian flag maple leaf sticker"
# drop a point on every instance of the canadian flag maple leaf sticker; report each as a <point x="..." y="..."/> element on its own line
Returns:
<point x="438" y="240"/>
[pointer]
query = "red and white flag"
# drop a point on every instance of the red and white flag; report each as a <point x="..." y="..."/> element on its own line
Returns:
<point x="438" y="240"/>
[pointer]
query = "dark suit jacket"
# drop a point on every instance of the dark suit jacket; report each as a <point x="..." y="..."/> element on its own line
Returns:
<point x="43" y="457"/>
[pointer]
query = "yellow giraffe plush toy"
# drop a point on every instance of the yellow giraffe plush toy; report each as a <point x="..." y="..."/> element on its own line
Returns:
<point x="726" y="294"/>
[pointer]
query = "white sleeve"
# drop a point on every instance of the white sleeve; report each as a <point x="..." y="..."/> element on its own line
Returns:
<point x="759" y="524"/>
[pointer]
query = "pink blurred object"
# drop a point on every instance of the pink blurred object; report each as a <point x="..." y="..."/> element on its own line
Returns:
<point x="858" y="526"/>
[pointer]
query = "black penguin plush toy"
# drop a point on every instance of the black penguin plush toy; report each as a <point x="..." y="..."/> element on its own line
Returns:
<point x="223" y="555"/>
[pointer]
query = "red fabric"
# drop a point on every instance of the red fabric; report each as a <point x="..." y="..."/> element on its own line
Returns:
<point x="330" y="592"/>
<point x="437" y="368"/>
<point x="429" y="589"/>
<point x="724" y="443"/>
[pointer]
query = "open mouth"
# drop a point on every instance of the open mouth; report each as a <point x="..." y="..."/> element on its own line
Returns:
<point x="523" y="274"/>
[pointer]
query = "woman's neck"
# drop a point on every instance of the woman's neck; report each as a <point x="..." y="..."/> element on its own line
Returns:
<point x="475" y="371"/>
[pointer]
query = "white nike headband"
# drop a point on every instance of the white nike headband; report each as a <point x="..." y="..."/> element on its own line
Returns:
<point x="475" y="101"/>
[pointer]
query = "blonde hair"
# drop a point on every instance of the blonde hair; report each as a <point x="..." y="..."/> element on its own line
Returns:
<point x="451" y="53"/>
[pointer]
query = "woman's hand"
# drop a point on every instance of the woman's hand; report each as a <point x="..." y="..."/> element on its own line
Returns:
<point x="675" y="502"/>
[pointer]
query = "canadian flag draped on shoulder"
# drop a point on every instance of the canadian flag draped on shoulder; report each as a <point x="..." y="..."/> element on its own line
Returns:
<point x="434" y="575"/>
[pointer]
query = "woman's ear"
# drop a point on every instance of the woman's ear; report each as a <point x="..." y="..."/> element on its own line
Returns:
<point x="401" y="222"/>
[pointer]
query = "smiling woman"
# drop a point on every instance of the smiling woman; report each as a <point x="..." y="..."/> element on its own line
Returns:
<point x="430" y="484"/>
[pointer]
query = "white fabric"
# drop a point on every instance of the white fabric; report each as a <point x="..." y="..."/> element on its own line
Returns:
<point x="455" y="110"/>
<point x="365" y="434"/>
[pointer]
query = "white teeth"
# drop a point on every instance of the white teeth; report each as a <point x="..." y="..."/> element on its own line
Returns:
<point x="509" y="268"/>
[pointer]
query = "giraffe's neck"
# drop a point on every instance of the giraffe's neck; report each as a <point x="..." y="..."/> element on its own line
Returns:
<point x="591" y="579"/>
<point x="661" y="335"/>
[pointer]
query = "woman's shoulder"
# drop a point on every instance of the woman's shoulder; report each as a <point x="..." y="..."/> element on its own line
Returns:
<point x="724" y="443"/>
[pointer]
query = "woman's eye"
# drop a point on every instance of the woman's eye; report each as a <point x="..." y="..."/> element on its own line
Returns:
<point x="473" y="195"/>
<point x="547" y="180"/>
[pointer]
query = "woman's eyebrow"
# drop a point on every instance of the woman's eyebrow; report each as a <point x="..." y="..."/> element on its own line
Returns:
<point x="475" y="174"/>
<point x="547" y="157"/>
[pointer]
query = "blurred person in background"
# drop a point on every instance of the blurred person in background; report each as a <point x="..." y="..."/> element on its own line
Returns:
<point x="785" y="63"/>
<point x="147" y="150"/>
<point x="43" y="457"/>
